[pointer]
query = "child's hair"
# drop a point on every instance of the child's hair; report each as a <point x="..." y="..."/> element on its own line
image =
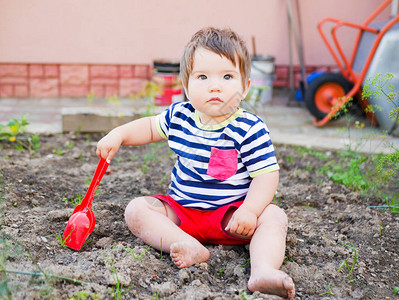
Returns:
<point x="221" y="41"/>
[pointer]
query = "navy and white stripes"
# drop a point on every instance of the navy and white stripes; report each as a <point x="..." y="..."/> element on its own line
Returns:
<point x="192" y="142"/>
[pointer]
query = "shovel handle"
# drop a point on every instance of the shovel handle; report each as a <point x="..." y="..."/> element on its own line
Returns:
<point x="98" y="175"/>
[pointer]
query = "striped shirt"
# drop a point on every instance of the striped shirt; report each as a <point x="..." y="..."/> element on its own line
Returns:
<point x="215" y="163"/>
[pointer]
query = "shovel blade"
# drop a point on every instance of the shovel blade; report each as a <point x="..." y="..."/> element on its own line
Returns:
<point x="79" y="226"/>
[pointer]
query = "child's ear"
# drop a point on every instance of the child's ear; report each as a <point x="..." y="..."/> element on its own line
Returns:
<point x="244" y="94"/>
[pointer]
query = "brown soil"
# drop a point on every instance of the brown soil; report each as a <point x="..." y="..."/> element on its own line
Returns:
<point x="328" y="225"/>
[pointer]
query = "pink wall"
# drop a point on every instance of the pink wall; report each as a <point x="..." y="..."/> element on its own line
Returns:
<point x="68" y="48"/>
<point x="136" y="32"/>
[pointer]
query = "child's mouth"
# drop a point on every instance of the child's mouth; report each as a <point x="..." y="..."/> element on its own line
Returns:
<point x="215" y="99"/>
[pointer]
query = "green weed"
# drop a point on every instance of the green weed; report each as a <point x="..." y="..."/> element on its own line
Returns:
<point x="247" y="262"/>
<point x="69" y="145"/>
<point x="91" y="97"/>
<point x="79" y="130"/>
<point x="114" y="100"/>
<point x="13" y="132"/>
<point x="330" y="286"/>
<point x="303" y="151"/>
<point x="60" y="239"/>
<point x="147" y="95"/>
<point x="13" y="128"/>
<point x="164" y="177"/>
<point x="118" y="159"/>
<point x="161" y="248"/>
<point x="290" y="159"/>
<point x="392" y="203"/>
<point x="150" y="156"/>
<point x="220" y="273"/>
<point x="345" y="262"/>
<point x="288" y="259"/>
<point x="84" y="295"/>
<point x="133" y="254"/>
<point x="379" y="86"/>
<point x="118" y="292"/>
<point x="58" y="151"/>
<point x="75" y="201"/>
<point x="244" y="295"/>
<point x="307" y="205"/>
<point x="12" y="250"/>
<point x="350" y="175"/>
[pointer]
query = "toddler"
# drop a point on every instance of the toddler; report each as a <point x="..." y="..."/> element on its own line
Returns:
<point x="226" y="172"/>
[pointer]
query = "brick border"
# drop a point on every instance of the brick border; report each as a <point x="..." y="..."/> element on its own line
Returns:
<point x="19" y="80"/>
<point x="71" y="80"/>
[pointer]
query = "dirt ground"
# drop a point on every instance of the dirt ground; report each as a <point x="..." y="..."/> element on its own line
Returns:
<point x="328" y="225"/>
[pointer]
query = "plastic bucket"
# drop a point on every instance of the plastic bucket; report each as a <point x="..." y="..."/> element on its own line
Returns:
<point x="166" y="76"/>
<point x="262" y="77"/>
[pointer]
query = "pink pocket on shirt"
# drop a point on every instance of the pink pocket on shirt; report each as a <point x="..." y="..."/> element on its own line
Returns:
<point x="222" y="163"/>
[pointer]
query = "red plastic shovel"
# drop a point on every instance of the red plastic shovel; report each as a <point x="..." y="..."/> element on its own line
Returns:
<point x="82" y="221"/>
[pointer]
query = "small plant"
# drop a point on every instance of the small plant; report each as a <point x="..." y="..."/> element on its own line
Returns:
<point x="345" y="262"/>
<point x="379" y="86"/>
<point x="58" y="151"/>
<point x="69" y="145"/>
<point x="244" y="295"/>
<point x="91" y="97"/>
<point x="150" y="156"/>
<point x="75" y="201"/>
<point x="117" y="292"/>
<point x="287" y="259"/>
<point x="60" y="239"/>
<point x="133" y="254"/>
<point x="330" y="286"/>
<point x="247" y="262"/>
<point x="355" y="172"/>
<point x="147" y="95"/>
<point x="220" y="273"/>
<point x="303" y="151"/>
<point x="161" y="248"/>
<point x="84" y="295"/>
<point x="350" y="175"/>
<point x="14" y="128"/>
<point x="12" y="249"/>
<point x="164" y="177"/>
<point x="13" y="131"/>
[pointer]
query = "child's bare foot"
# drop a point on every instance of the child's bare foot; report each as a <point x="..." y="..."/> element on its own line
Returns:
<point x="185" y="254"/>
<point x="274" y="282"/>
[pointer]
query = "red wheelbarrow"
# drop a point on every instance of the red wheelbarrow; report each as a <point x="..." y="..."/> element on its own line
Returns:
<point x="375" y="51"/>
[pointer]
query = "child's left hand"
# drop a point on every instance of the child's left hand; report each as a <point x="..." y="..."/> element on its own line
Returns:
<point x="243" y="222"/>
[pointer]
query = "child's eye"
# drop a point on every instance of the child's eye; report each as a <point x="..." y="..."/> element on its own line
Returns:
<point x="202" y="77"/>
<point x="228" y="76"/>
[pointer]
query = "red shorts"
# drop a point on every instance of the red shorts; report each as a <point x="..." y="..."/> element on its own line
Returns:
<point x="205" y="226"/>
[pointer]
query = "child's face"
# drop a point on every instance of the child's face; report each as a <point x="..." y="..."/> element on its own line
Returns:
<point x="215" y="87"/>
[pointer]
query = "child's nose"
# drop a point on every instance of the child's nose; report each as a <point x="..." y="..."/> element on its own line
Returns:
<point x="215" y="86"/>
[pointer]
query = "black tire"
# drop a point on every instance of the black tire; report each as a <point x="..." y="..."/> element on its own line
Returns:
<point x="321" y="91"/>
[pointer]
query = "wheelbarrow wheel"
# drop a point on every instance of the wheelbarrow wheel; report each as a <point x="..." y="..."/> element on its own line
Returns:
<point x="321" y="92"/>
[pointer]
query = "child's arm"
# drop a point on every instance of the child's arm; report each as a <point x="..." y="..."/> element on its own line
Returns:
<point x="137" y="132"/>
<point x="260" y="194"/>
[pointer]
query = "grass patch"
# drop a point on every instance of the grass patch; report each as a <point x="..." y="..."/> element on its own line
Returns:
<point x="370" y="175"/>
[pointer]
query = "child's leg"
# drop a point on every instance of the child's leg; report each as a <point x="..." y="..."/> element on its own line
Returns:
<point x="151" y="220"/>
<point x="267" y="249"/>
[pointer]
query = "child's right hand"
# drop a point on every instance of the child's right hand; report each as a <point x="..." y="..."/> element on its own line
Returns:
<point x="109" y="145"/>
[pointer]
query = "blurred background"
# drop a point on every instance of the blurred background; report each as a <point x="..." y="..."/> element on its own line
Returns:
<point x="69" y="48"/>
